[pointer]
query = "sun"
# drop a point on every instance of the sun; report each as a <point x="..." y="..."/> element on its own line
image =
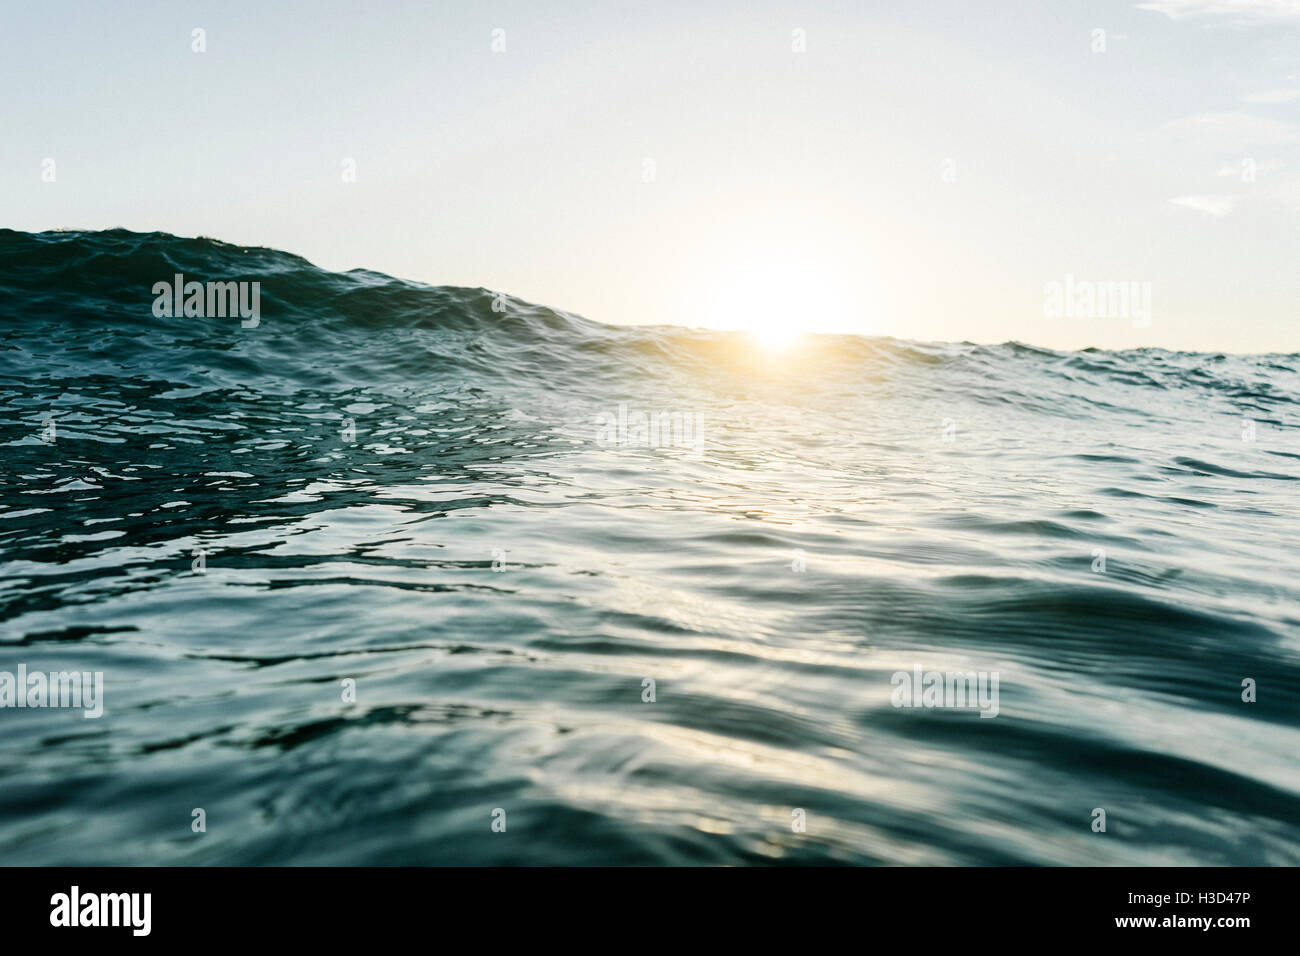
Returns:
<point x="776" y="304"/>
<point x="776" y="336"/>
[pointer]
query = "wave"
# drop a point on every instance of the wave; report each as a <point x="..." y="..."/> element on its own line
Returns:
<point x="434" y="492"/>
<point x="85" y="299"/>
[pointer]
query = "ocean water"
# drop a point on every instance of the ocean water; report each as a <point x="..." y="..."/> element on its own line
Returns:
<point x="682" y="647"/>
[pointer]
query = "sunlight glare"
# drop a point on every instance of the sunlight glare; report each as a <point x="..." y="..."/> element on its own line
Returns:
<point x="776" y="305"/>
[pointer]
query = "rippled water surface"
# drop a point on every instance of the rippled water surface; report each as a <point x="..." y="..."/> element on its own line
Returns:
<point x="406" y="487"/>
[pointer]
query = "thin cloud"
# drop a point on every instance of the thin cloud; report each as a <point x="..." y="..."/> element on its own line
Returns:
<point x="1249" y="169"/>
<point x="1229" y="132"/>
<point x="1272" y="96"/>
<point x="1217" y="206"/>
<point x="1264" y="11"/>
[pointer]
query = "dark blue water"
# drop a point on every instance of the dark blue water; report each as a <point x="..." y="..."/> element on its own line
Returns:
<point x="420" y="490"/>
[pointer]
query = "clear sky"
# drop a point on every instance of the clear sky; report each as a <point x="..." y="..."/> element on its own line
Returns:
<point x="924" y="170"/>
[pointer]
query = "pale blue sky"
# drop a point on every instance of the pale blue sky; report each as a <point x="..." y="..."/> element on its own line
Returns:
<point x="820" y="172"/>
